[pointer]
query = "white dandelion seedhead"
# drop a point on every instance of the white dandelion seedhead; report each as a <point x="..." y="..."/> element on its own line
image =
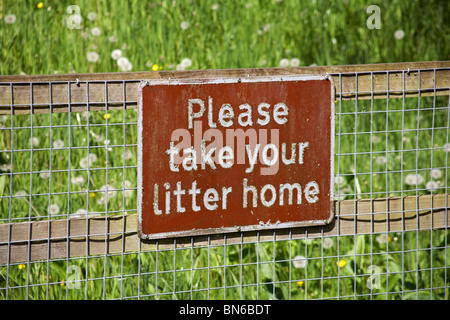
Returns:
<point x="5" y="167"/>
<point x="299" y="262"/>
<point x="92" y="157"/>
<point x="436" y="173"/>
<point x="79" y="213"/>
<point x="34" y="141"/>
<point x="382" y="238"/>
<point x="184" y="25"/>
<point x="10" y="19"/>
<point x="431" y="186"/>
<point x="327" y="243"/>
<point x="21" y="193"/>
<point x="414" y="179"/>
<point x="88" y="161"/>
<point x="108" y="189"/>
<point x="446" y="147"/>
<point x="92" y="16"/>
<point x="127" y="193"/>
<point x="380" y="160"/>
<point x="58" y="144"/>
<point x="116" y="54"/>
<point x="78" y="180"/>
<point x="124" y="64"/>
<point x="53" y="209"/>
<point x="399" y="34"/>
<point x="92" y="57"/>
<point x="339" y="180"/>
<point x="44" y="175"/>
<point x="128" y="155"/>
<point x="284" y="62"/>
<point x="96" y="31"/>
<point x="186" y="63"/>
<point x="295" y="62"/>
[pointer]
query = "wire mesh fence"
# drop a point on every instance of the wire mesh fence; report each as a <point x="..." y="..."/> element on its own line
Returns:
<point x="68" y="190"/>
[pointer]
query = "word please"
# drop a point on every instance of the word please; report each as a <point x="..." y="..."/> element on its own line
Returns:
<point x="227" y="113"/>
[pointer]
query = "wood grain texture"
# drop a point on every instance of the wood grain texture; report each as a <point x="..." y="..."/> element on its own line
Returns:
<point x="77" y="237"/>
<point x="109" y="91"/>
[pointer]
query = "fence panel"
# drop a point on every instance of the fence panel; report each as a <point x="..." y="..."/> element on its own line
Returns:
<point x="68" y="224"/>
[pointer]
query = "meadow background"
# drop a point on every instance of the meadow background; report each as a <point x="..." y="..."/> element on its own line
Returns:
<point x="42" y="37"/>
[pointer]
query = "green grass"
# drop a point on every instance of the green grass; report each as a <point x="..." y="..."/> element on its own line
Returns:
<point x="238" y="34"/>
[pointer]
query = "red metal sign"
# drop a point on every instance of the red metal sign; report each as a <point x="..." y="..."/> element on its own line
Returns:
<point x="226" y="155"/>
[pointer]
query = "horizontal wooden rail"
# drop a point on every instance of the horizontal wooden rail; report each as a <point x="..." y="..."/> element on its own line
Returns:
<point x="77" y="237"/>
<point x="109" y="91"/>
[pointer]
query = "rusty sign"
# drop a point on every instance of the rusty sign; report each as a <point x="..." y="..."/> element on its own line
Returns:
<point x="234" y="154"/>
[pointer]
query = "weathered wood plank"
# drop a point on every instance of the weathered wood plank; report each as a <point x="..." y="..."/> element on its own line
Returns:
<point x="110" y="91"/>
<point x="59" y="239"/>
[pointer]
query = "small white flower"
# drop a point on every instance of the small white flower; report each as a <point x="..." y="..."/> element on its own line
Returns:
<point x="58" y="144"/>
<point x="299" y="262"/>
<point x="431" y="186"/>
<point x="10" y="18"/>
<point x="399" y="34"/>
<point x="92" y="16"/>
<point x="215" y="6"/>
<point x="34" y="141"/>
<point x="78" y="180"/>
<point x="116" y="54"/>
<point x="295" y="62"/>
<point x="96" y="31"/>
<point x="184" y="25"/>
<point x="284" y="62"/>
<point x="381" y="160"/>
<point x="412" y="179"/>
<point x="53" y="209"/>
<point x="112" y="39"/>
<point x="92" y="57"/>
<point x="436" y="173"/>
<point x="44" y="175"/>
<point x="186" y="63"/>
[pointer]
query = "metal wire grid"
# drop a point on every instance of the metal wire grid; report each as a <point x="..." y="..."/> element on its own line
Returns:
<point x="400" y="265"/>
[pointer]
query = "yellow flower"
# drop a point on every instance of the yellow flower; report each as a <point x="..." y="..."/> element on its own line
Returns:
<point x="40" y="5"/>
<point x="342" y="263"/>
<point x="107" y="116"/>
<point x="22" y="266"/>
<point x="155" y="67"/>
<point x="300" y="283"/>
<point x="62" y="284"/>
<point x="92" y="194"/>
